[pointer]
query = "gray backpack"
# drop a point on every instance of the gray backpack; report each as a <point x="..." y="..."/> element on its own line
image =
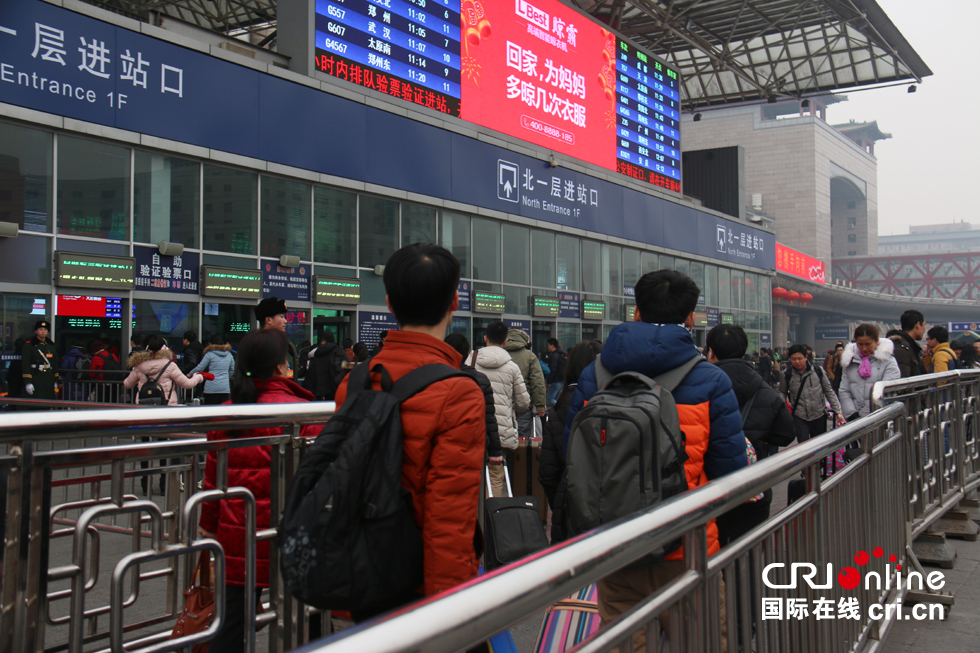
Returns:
<point x="625" y="449"/>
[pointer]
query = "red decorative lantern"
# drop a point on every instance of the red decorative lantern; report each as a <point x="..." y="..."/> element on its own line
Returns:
<point x="779" y="293"/>
<point x="806" y="297"/>
<point x="793" y="296"/>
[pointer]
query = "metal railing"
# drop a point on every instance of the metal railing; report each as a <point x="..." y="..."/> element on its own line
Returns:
<point x="80" y="548"/>
<point x="902" y="481"/>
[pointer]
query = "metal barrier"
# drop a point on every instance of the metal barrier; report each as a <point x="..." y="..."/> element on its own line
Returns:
<point x="62" y="506"/>
<point x="899" y="484"/>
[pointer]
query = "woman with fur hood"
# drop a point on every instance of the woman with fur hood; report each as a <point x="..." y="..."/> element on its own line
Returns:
<point x="865" y="361"/>
<point x="146" y="365"/>
<point x="218" y="360"/>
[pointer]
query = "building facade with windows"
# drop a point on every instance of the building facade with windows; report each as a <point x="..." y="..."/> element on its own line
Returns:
<point x="247" y="165"/>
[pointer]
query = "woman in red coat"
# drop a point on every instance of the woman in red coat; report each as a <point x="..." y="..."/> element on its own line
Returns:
<point x="263" y="366"/>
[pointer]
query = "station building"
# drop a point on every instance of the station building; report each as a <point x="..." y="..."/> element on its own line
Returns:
<point x="184" y="189"/>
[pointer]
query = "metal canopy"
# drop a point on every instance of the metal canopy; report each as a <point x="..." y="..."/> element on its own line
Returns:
<point x="727" y="51"/>
<point x="747" y="50"/>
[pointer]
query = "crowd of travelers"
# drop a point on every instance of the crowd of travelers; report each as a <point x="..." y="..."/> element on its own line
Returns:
<point x="460" y="432"/>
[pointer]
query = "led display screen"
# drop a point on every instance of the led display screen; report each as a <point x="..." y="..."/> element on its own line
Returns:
<point x="544" y="306"/>
<point x="628" y="311"/>
<point x="336" y="290"/>
<point x="83" y="306"/>
<point x="231" y="282"/>
<point x="488" y="302"/>
<point x="726" y="318"/>
<point x="538" y="71"/>
<point x="700" y="319"/>
<point x="593" y="310"/>
<point x="94" y="271"/>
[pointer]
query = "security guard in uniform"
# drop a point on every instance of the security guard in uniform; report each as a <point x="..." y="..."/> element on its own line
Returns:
<point x="39" y="363"/>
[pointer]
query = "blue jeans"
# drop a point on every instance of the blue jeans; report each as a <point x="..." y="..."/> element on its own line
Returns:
<point x="554" y="389"/>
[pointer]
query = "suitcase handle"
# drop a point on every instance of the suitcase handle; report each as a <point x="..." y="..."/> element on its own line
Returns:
<point x="510" y="491"/>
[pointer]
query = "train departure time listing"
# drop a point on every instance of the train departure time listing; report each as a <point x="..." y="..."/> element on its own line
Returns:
<point x="538" y="71"/>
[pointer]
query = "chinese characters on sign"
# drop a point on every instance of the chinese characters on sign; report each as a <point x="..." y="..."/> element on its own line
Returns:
<point x="156" y="272"/>
<point x="286" y="283"/>
<point x="738" y="242"/>
<point x="370" y="326"/>
<point x="110" y="77"/>
<point x="797" y="264"/>
<point x="556" y="193"/>
<point x="570" y="305"/>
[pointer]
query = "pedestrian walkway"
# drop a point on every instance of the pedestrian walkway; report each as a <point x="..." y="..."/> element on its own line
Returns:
<point x="960" y="631"/>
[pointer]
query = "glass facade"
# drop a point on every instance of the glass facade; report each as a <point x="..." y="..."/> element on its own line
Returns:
<point x="234" y="217"/>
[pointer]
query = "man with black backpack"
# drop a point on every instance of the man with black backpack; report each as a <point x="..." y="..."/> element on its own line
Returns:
<point x="332" y="556"/>
<point x="652" y="361"/>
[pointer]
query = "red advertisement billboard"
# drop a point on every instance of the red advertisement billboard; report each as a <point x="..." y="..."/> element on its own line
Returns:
<point x="797" y="264"/>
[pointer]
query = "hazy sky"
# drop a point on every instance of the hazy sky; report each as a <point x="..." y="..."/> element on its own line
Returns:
<point x="927" y="171"/>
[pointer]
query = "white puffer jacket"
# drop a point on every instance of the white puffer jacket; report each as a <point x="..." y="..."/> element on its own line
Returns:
<point x="509" y="391"/>
<point x="855" y="392"/>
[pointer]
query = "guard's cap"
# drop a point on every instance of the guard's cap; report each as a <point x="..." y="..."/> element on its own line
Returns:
<point x="42" y="324"/>
<point x="269" y="307"/>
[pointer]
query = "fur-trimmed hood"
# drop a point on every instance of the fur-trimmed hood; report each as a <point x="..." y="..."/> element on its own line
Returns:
<point x="143" y="356"/>
<point x="885" y="351"/>
<point x="218" y="348"/>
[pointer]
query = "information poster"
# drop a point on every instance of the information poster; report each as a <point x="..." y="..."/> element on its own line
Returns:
<point x="536" y="70"/>
<point x="570" y="305"/>
<point x="523" y="325"/>
<point x="291" y="284"/>
<point x="464" y="295"/>
<point x="370" y="325"/>
<point x="159" y="273"/>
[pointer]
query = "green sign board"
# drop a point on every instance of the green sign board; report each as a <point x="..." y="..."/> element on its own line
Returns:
<point x="628" y="310"/>
<point x="488" y="302"/>
<point x="94" y="271"/>
<point x="726" y="318"/>
<point x="544" y="306"/>
<point x="593" y="310"/>
<point x="700" y="319"/>
<point x="336" y="290"/>
<point x="231" y="282"/>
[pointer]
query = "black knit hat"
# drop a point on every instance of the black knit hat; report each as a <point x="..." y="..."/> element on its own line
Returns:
<point x="42" y="324"/>
<point x="269" y="307"/>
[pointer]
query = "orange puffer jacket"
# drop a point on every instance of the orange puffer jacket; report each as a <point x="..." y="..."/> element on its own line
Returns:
<point x="444" y="437"/>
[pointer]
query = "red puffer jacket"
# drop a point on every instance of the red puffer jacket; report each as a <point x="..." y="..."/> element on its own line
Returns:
<point x="248" y="467"/>
<point x="444" y="438"/>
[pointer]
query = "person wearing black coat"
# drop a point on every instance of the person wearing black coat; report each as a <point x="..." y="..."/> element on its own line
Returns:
<point x="325" y="369"/>
<point x="551" y="463"/>
<point x="193" y="352"/>
<point x="459" y="342"/>
<point x="767" y="425"/>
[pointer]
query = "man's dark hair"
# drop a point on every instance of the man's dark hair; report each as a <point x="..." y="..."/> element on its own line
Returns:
<point x="305" y="343"/>
<point x="190" y="336"/>
<point x="497" y="333"/>
<point x="666" y="297"/>
<point x="460" y="343"/>
<point x="940" y="333"/>
<point x="797" y="349"/>
<point x="216" y="339"/>
<point x="327" y="336"/>
<point x="348" y="343"/>
<point x="421" y="281"/>
<point x="554" y="343"/>
<point x="727" y="341"/>
<point x="910" y="318"/>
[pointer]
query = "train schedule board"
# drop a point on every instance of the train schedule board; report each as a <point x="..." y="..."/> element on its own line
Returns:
<point x="231" y="282"/>
<point x="488" y="302"/>
<point x="544" y="306"/>
<point x="94" y="271"/>
<point x="536" y="70"/>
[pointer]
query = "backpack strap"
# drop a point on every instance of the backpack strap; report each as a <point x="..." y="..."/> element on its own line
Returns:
<point x="672" y="378"/>
<point x="422" y="377"/>
<point x="747" y="408"/>
<point x="602" y="374"/>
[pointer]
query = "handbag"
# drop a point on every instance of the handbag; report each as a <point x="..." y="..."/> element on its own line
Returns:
<point x="198" y="612"/>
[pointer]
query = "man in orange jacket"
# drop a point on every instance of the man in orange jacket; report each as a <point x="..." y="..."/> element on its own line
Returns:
<point x="443" y="429"/>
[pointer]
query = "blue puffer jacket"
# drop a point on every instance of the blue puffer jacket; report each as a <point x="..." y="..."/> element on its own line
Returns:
<point x="706" y="404"/>
<point x="218" y="360"/>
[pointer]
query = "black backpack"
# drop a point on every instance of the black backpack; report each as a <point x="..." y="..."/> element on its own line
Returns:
<point x="626" y="451"/>
<point x="151" y="392"/>
<point x="347" y="535"/>
<point x="109" y="363"/>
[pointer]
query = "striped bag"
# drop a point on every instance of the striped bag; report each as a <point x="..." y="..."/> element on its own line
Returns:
<point x="569" y="622"/>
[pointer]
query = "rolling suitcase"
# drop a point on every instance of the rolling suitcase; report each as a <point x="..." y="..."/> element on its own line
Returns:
<point x="513" y="525"/>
